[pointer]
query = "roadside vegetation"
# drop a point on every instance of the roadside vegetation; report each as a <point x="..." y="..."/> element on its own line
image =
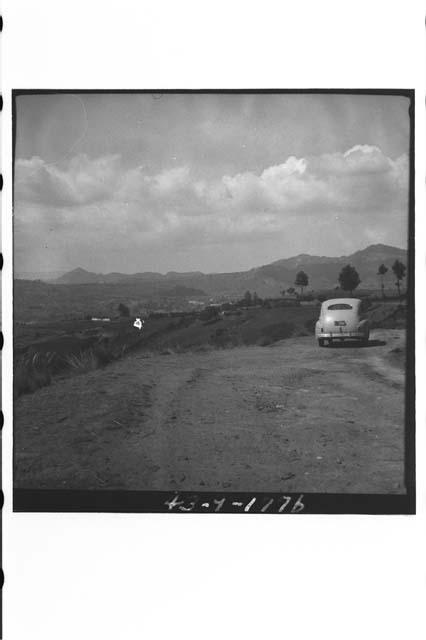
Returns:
<point x="261" y="325"/>
<point x="44" y="349"/>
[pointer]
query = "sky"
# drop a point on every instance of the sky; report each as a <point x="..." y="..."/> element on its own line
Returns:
<point x="205" y="182"/>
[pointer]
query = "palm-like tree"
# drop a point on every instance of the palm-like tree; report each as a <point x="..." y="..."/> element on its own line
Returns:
<point x="382" y="270"/>
<point x="399" y="269"/>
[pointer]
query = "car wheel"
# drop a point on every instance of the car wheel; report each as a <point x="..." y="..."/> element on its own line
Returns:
<point x="321" y="342"/>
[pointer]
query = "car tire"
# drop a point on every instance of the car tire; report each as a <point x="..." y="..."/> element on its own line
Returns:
<point x="321" y="342"/>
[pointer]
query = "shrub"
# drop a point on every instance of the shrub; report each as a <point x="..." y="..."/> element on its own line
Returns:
<point x="186" y="321"/>
<point x="310" y="324"/>
<point x="278" y="331"/>
<point x="209" y="313"/>
<point x="31" y="372"/>
<point x="123" y="310"/>
<point x="83" y="362"/>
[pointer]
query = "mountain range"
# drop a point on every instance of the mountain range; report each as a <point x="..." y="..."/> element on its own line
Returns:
<point x="266" y="280"/>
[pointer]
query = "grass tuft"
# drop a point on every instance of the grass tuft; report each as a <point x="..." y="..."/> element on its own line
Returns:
<point x="83" y="361"/>
<point x="31" y="372"/>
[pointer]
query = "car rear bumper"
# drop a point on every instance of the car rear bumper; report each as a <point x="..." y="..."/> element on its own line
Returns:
<point x="343" y="334"/>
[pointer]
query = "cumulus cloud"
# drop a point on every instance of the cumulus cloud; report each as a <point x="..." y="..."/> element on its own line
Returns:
<point x="297" y="184"/>
<point x="361" y="179"/>
<point x="82" y="181"/>
<point x="105" y="200"/>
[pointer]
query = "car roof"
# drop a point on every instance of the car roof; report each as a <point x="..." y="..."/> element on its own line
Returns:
<point x="351" y="301"/>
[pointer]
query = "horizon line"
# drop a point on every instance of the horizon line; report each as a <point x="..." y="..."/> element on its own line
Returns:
<point x="64" y="272"/>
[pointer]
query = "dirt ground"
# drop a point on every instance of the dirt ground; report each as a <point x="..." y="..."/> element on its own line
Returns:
<point x="288" y="417"/>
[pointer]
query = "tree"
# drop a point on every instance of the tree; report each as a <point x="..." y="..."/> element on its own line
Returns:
<point x="208" y="313"/>
<point x="247" y="298"/>
<point x="256" y="300"/>
<point x="123" y="310"/>
<point x="349" y="278"/>
<point x="290" y="291"/>
<point x="381" y="272"/>
<point x="399" y="270"/>
<point x="301" y="281"/>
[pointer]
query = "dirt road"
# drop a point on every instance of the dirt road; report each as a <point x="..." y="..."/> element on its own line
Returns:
<point x="289" y="417"/>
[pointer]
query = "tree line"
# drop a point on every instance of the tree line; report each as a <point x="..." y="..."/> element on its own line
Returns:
<point x="349" y="278"/>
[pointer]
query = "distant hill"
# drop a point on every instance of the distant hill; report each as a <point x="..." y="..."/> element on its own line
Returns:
<point x="78" y="276"/>
<point x="266" y="280"/>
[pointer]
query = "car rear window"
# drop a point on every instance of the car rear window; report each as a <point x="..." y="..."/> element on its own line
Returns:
<point x="339" y="307"/>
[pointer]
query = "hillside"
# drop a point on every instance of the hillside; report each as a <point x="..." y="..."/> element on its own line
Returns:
<point x="267" y="280"/>
<point x="39" y="301"/>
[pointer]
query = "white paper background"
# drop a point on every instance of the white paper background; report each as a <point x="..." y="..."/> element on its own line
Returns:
<point x="132" y="576"/>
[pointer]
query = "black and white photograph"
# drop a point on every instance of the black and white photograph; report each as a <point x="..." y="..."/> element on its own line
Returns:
<point x="213" y="300"/>
<point x="213" y="242"/>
